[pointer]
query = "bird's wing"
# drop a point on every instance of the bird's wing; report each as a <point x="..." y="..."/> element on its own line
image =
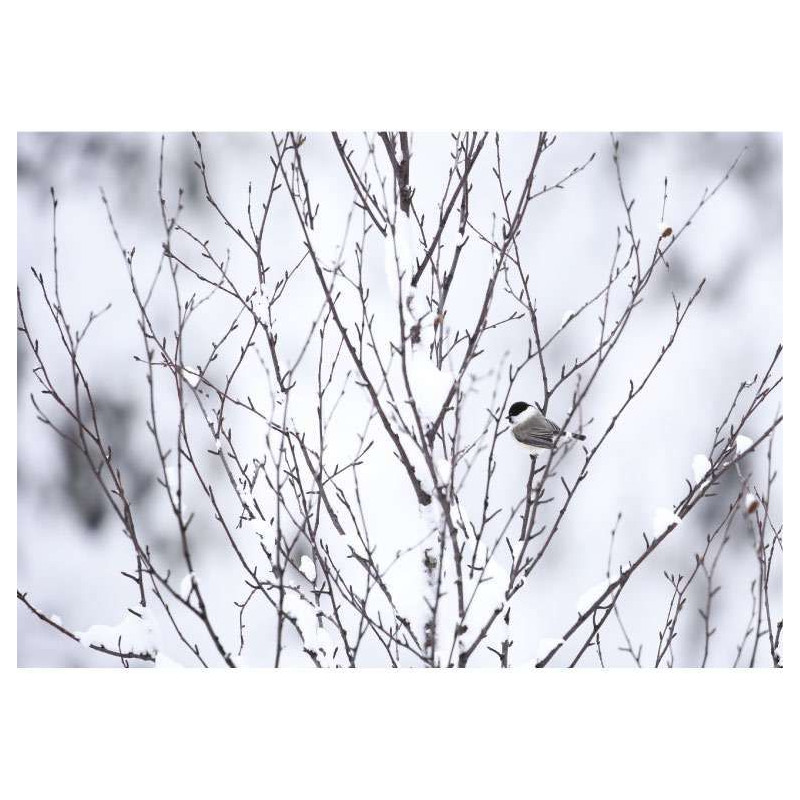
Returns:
<point x="537" y="431"/>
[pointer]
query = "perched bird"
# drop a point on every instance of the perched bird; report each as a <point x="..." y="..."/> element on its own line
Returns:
<point x="534" y="431"/>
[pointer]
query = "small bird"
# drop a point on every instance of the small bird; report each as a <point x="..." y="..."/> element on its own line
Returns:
<point x="534" y="431"/>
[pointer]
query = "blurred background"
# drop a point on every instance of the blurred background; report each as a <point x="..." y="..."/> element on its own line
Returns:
<point x="70" y="547"/>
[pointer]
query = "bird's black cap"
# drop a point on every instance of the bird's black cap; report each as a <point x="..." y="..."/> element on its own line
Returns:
<point x="517" y="408"/>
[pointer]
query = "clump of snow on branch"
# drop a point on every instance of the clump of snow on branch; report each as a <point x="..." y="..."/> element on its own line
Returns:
<point x="136" y="633"/>
<point x="662" y="519"/>
<point x="442" y="470"/>
<point x="568" y="315"/>
<point x="260" y="308"/>
<point x="700" y="467"/>
<point x="743" y="444"/>
<point x="592" y="595"/>
<point x="192" y="378"/>
<point x="165" y="662"/>
<point x="315" y="637"/>
<point x="186" y="586"/>
<point x="308" y="569"/>
<point x="429" y="385"/>
<point x="547" y="645"/>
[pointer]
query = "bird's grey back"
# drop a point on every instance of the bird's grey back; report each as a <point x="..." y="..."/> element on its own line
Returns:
<point x="538" y="431"/>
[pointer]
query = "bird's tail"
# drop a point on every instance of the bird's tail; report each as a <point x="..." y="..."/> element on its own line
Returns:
<point x="579" y="436"/>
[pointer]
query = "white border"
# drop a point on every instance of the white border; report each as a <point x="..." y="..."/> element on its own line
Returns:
<point x="677" y="66"/>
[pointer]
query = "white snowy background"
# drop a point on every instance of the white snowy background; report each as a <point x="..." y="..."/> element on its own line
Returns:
<point x="70" y="547"/>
